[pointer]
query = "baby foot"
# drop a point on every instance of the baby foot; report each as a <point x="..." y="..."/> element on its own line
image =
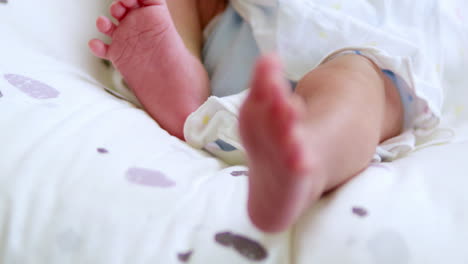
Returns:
<point x="151" y="56"/>
<point x="284" y="176"/>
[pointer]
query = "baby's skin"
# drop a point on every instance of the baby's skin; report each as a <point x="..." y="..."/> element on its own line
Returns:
<point x="299" y="145"/>
<point x="167" y="79"/>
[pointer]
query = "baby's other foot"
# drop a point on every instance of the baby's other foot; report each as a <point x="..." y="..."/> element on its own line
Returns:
<point x="284" y="175"/>
<point x="151" y="56"/>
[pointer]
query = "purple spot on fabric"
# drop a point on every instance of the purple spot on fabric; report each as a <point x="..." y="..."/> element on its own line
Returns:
<point x="410" y="98"/>
<point x="185" y="257"/>
<point x="1" y="95"/>
<point x="224" y="238"/>
<point x="147" y="177"/>
<point x="102" y="150"/>
<point x="32" y="88"/>
<point x="246" y="247"/>
<point x="359" y="211"/>
<point x="239" y="173"/>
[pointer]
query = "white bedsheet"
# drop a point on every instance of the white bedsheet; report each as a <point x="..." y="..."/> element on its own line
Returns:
<point x="88" y="178"/>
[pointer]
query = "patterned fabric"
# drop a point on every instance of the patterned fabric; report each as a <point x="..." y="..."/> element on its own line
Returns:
<point x="88" y="178"/>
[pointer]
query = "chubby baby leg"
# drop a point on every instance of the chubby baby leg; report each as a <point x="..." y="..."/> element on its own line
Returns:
<point x="302" y="144"/>
<point x="160" y="66"/>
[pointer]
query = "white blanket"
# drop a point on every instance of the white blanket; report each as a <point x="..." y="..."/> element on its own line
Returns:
<point x="88" y="178"/>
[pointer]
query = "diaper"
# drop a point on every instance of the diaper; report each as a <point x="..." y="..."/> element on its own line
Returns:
<point x="400" y="38"/>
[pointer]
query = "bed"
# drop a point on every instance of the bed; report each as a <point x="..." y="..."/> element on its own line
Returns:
<point x="86" y="177"/>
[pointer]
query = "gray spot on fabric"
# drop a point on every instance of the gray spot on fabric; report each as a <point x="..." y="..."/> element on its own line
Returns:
<point x="224" y="146"/>
<point x="388" y="247"/>
<point x="1" y="95"/>
<point x="32" y="88"/>
<point x="185" y="257"/>
<point x="239" y="173"/>
<point x="3" y="1"/>
<point x="246" y="247"/>
<point x="148" y="177"/>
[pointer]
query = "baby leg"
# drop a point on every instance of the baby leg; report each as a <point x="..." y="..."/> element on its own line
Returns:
<point x="162" y="70"/>
<point x="301" y="144"/>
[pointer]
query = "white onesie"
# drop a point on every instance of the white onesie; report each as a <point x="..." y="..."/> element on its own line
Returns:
<point x="400" y="36"/>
